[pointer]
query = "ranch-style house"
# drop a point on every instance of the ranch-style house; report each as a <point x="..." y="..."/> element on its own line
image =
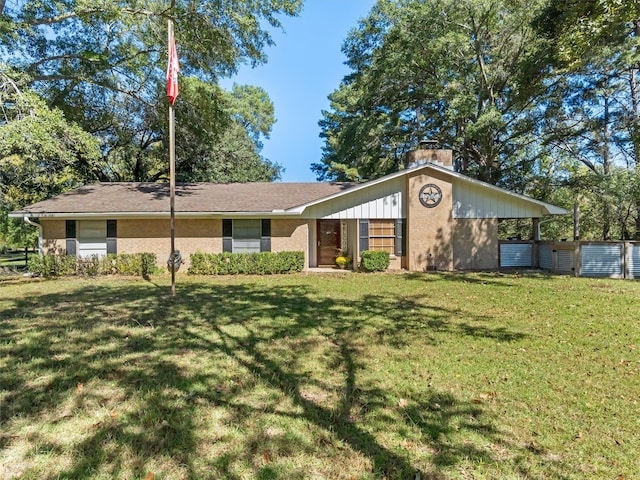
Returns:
<point x="427" y="216"/>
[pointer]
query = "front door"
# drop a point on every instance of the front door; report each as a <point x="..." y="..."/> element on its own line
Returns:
<point x="328" y="241"/>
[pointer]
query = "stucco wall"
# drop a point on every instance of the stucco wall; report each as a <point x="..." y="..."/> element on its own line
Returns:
<point x="429" y="230"/>
<point x="475" y="245"/>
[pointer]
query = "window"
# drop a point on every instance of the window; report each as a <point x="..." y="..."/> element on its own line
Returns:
<point x="112" y="237"/>
<point x="70" y="228"/>
<point x="387" y="235"/>
<point x="92" y="238"/>
<point x="246" y="236"/>
<point x="382" y="235"/>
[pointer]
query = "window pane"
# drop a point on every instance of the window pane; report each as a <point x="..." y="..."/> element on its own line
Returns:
<point x="246" y="236"/>
<point x="382" y="235"/>
<point x="246" y="246"/>
<point x="246" y="229"/>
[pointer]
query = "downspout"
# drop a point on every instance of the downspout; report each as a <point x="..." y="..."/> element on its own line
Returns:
<point x="36" y="224"/>
<point x="542" y="223"/>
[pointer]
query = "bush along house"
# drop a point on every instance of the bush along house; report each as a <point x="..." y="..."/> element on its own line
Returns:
<point x="427" y="216"/>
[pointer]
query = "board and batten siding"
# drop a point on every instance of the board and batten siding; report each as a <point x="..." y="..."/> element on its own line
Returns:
<point x="384" y="201"/>
<point x="473" y="201"/>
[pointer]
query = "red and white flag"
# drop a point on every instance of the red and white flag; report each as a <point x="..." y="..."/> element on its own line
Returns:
<point x="172" y="69"/>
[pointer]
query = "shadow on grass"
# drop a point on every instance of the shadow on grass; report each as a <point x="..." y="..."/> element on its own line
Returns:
<point x="493" y="279"/>
<point x="137" y="370"/>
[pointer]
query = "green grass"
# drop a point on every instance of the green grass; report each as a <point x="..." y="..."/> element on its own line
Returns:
<point x="339" y="376"/>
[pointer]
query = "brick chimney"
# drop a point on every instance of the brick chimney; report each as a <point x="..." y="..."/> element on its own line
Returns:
<point x="428" y="151"/>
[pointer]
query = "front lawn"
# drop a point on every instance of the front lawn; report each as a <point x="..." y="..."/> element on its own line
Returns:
<point x="338" y="376"/>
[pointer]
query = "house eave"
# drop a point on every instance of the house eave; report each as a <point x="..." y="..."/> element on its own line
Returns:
<point x="548" y="208"/>
<point x="160" y="215"/>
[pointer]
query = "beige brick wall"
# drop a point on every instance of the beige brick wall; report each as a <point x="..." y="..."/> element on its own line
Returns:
<point x="153" y="236"/>
<point x="204" y="235"/>
<point x="290" y="235"/>
<point x="475" y="245"/>
<point x="429" y="230"/>
<point x="54" y="235"/>
<point x="395" y="263"/>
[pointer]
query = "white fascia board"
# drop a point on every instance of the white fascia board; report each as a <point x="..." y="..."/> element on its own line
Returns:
<point x="301" y="208"/>
<point x="551" y="209"/>
<point x="137" y="215"/>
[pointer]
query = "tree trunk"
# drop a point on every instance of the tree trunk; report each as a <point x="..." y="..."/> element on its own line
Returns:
<point x="635" y="125"/>
<point x="635" y="137"/>
<point x="606" y="170"/>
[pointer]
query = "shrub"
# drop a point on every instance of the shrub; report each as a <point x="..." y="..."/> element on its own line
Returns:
<point x="89" y="266"/>
<point x="374" y="261"/>
<point x="142" y="264"/>
<point x="263" y="263"/>
<point x="52" y="265"/>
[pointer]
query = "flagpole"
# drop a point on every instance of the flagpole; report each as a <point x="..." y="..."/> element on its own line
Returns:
<point x="172" y="181"/>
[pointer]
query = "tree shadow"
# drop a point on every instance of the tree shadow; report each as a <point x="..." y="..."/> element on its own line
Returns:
<point x="138" y="369"/>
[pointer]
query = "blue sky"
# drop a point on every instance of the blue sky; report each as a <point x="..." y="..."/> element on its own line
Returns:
<point x="304" y="67"/>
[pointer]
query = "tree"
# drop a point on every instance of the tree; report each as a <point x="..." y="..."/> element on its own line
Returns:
<point x="41" y="155"/>
<point x="102" y="63"/>
<point x="218" y="138"/>
<point x="220" y="134"/>
<point x="455" y="71"/>
<point x="592" y="51"/>
<point x="580" y="29"/>
<point x="98" y="69"/>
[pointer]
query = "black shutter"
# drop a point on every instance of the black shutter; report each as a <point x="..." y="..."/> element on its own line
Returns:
<point x="71" y="237"/>
<point x="112" y="237"/>
<point x="265" y="236"/>
<point x="227" y="235"/>
<point x="400" y="237"/>
<point x="364" y="234"/>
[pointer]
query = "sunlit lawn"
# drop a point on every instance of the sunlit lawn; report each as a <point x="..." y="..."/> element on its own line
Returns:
<point x="340" y="376"/>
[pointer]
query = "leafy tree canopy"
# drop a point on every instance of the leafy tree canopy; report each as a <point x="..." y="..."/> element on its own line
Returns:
<point x="99" y="68"/>
<point x="451" y="70"/>
<point x="103" y="65"/>
<point x="41" y="155"/>
<point x="580" y="29"/>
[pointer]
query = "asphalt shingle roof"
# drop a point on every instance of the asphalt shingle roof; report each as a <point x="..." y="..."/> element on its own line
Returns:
<point x="190" y="197"/>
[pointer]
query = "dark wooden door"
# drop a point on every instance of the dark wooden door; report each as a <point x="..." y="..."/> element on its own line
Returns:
<point x="328" y="241"/>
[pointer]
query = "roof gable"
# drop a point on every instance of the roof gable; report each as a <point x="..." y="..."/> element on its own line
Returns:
<point x="535" y="207"/>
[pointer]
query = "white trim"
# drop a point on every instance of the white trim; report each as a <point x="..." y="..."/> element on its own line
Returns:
<point x="551" y="209"/>
<point x="299" y="210"/>
<point x="138" y="215"/>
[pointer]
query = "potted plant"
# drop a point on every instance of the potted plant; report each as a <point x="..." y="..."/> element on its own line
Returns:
<point x="343" y="260"/>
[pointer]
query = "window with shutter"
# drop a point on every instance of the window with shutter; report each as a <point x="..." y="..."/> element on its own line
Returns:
<point x="382" y="235"/>
<point x="70" y="246"/>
